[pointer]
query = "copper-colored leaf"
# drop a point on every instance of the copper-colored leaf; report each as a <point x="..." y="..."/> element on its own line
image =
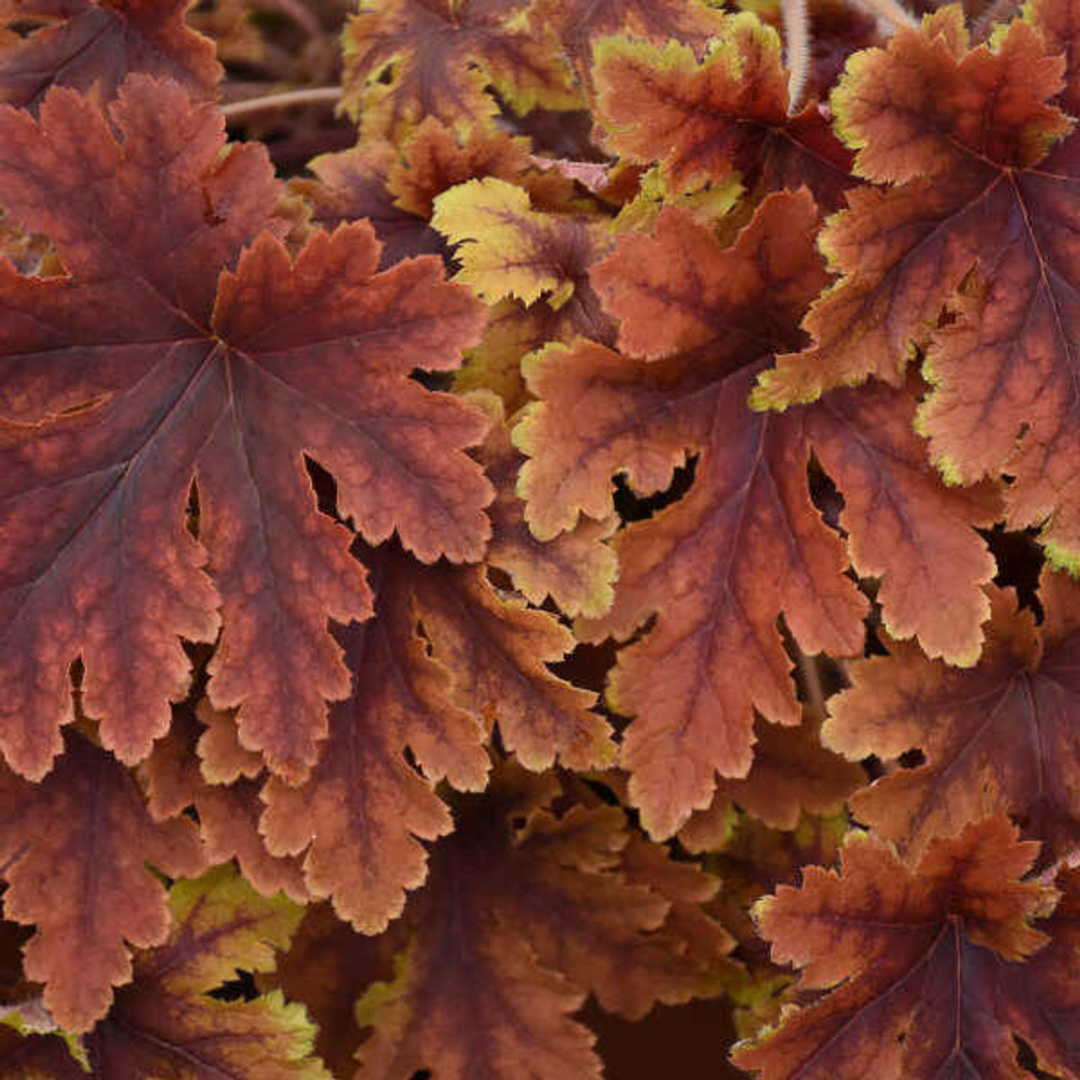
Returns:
<point x="441" y="56"/>
<point x="165" y="1024"/>
<point x="228" y="810"/>
<point x="525" y="912"/>
<point x="580" y="24"/>
<point x="981" y="215"/>
<point x="146" y="379"/>
<point x="745" y="544"/>
<point x="360" y="815"/>
<point x="703" y="120"/>
<point x="1004" y="736"/>
<point x="907" y="952"/>
<point x="75" y="847"/>
<point x="92" y="45"/>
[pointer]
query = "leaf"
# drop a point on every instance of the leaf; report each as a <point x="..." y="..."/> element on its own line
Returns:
<point x="395" y="188"/>
<point x="1039" y="999"/>
<point x="75" y="848"/>
<point x="327" y="968"/>
<point x="580" y="24"/>
<point x="904" y="526"/>
<point x="498" y="651"/>
<point x="714" y="655"/>
<point x="165" y="1024"/>
<point x="92" y="46"/>
<point x="576" y="569"/>
<point x="792" y="773"/>
<point x="1001" y="737"/>
<point x="233" y="390"/>
<point x="36" y="1057"/>
<point x="979" y="216"/>
<point x="703" y="120"/>
<point x="360" y="815"/>
<point x="228" y="812"/>
<point x="904" y="950"/>
<point x="534" y="910"/>
<point x="441" y="57"/>
<point x="509" y="250"/>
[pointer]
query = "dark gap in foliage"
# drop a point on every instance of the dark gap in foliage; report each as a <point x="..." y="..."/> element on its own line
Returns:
<point x="602" y="792"/>
<point x="631" y="507"/>
<point x="191" y="511"/>
<point x="911" y="759"/>
<point x="499" y="579"/>
<point x="824" y="494"/>
<point x="242" y="988"/>
<point x="1027" y="1059"/>
<point x="587" y="665"/>
<point x="325" y="487"/>
<point x="1020" y="559"/>
<point x="410" y="759"/>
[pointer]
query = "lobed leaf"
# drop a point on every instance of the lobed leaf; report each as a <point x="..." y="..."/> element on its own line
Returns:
<point x="290" y="358"/>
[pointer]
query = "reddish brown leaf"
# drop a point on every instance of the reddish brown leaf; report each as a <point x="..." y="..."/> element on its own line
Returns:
<point x="233" y="390"/>
<point x="36" y="1057"/>
<point x="792" y="773"/>
<point x="92" y="45"/>
<point x="977" y="204"/>
<point x="362" y="812"/>
<point x="1002" y="737"/>
<point x="576" y="569"/>
<point x="498" y="651"/>
<point x="580" y="24"/>
<point x="904" y="526"/>
<point x="228" y="811"/>
<point x="703" y="120"/>
<point x="165" y="1024"/>
<point x="441" y="56"/>
<point x="714" y="654"/>
<point x="525" y="911"/>
<point x="327" y="968"/>
<point x="907" y="952"/>
<point x="75" y="848"/>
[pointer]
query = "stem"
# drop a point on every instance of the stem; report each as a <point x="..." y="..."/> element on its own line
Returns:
<point x="310" y="96"/>
<point x="893" y="13"/>
<point x="811" y="680"/>
<point x="796" y="48"/>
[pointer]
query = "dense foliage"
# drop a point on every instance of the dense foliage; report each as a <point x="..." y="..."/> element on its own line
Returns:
<point x="519" y="518"/>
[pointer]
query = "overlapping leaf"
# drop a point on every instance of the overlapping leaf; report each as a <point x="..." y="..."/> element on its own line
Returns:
<point x="702" y="120"/>
<point x="165" y="1024"/>
<point x="745" y="544"/>
<point x="92" y="45"/>
<point x="519" y="921"/>
<point x="394" y="189"/>
<point x="912" y="955"/>
<point x="981" y="214"/>
<point x="74" y="849"/>
<point x="442" y="56"/>
<point x="1004" y="736"/>
<point x="228" y="809"/>
<point x="146" y="380"/>
<point x="532" y="267"/>
<point x="580" y="24"/>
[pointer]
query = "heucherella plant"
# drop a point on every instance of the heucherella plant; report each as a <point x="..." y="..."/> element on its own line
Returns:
<point x="524" y="523"/>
